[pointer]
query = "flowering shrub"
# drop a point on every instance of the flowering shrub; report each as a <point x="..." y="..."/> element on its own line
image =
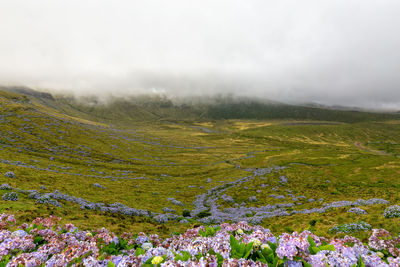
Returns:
<point x="351" y="227"/>
<point x="5" y="187"/>
<point x="46" y="199"/>
<point x="46" y="243"/>
<point x="357" y="211"/>
<point x="12" y="196"/>
<point x="392" y="212"/>
<point x="9" y="175"/>
<point x="209" y="231"/>
<point x="382" y="240"/>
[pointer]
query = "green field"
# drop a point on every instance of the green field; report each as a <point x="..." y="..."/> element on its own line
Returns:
<point x="149" y="155"/>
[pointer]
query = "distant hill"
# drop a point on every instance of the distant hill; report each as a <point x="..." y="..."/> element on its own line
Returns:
<point x="27" y="91"/>
<point x="123" y="110"/>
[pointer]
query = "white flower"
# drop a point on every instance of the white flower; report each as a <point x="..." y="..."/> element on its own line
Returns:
<point x="239" y="231"/>
<point x="265" y="246"/>
<point x="147" y="246"/>
<point x="19" y="233"/>
<point x="380" y="254"/>
<point x="256" y="242"/>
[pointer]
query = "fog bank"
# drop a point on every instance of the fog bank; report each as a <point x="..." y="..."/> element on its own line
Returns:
<point x="341" y="52"/>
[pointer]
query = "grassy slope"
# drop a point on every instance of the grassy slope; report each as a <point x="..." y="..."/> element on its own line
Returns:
<point x="360" y="160"/>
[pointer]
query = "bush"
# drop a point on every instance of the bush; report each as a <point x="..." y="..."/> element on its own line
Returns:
<point x="46" y="199"/>
<point x="203" y="214"/>
<point x="392" y="212"/>
<point x="10" y="196"/>
<point x="351" y="227"/>
<point x="9" y="175"/>
<point x="357" y="211"/>
<point x="186" y="213"/>
<point x="5" y="187"/>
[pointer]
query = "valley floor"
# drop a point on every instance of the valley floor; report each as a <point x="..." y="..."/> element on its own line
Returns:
<point x="164" y="176"/>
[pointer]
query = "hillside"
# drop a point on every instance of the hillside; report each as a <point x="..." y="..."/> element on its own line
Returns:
<point x="161" y="167"/>
<point x="134" y="109"/>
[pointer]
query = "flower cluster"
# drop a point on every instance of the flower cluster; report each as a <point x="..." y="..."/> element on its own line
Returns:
<point x="9" y="175"/>
<point x="295" y="244"/>
<point x="351" y="227"/>
<point x="12" y="196"/>
<point x="357" y="211"/>
<point x="45" y="242"/>
<point x="392" y="212"/>
<point x="5" y="187"/>
<point x="383" y="240"/>
<point x="46" y="199"/>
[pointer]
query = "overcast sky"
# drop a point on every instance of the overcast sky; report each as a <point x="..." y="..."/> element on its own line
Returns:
<point x="334" y="52"/>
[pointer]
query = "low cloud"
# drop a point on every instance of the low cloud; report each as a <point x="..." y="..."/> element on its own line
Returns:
<point x="342" y="52"/>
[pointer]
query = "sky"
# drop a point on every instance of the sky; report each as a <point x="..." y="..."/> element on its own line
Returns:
<point x="335" y="52"/>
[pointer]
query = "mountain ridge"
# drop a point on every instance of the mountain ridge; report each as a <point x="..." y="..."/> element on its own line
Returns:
<point x="139" y="108"/>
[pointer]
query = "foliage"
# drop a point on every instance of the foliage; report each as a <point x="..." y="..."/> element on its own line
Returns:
<point x="209" y="231"/>
<point x="240" y="250"/>
<point x="269" y="256"/>
<point x="115" y="248"/>
<point x="138" y="146"/>
<point x="392" y="212"/>
<point x="203" y="214"/>
<point x="183" y="256"/>
<point x="314" y="249"/>
<point x="351" y="227"/>
<point x="186" y="213"/>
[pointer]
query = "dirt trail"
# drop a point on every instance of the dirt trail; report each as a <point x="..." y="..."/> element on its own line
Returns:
<point x="373" y="151"/>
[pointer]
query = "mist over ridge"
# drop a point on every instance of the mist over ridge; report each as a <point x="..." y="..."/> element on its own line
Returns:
<point x="332" y="53"/>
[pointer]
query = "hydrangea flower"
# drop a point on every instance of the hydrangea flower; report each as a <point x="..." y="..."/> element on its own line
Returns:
<point x="10" y="196"/>
<point x="392" y="212"/>
<point x="157" y="260"/>
<point x="256" y="242"/>
<point x="357" y="211"/>
<point x="147" y="246"/>
<point x="64" y="248"/>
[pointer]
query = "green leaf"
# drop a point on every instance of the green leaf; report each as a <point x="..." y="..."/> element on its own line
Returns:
<point x="311" y="241"/>
<point x="270" y="258"/>
<point x="305" y="263"/>
<point x="260" y="255"/>
<point x="220" y="259"/>
<point x="327" y="247"/>
<point x="273" y="246"/>
<point x="110" y="264"/>
<point x="234" y="243"/>
<point x="313" y="250"/>
<point x="360" y="262"/>
<point x="149" y="260"/>
<point x="139" y="251"/>
<point x="266" y="252"/>
<point x="249" y="246"/>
